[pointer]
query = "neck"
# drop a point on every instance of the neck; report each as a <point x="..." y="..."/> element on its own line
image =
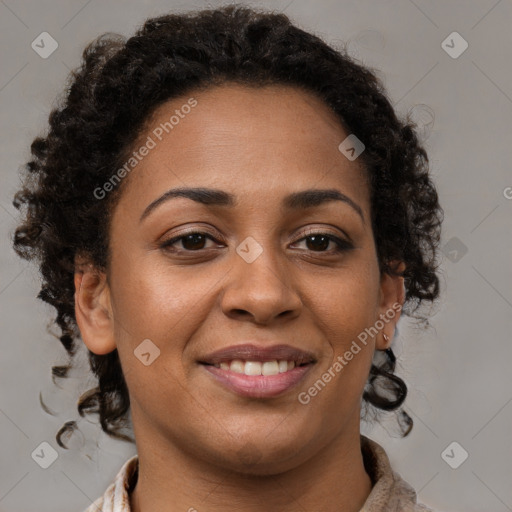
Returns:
<point x="170" y="480"/>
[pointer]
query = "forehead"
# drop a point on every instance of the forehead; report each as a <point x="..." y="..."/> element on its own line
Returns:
<point x="264" y="140"/>
<point x="252" y="115"/>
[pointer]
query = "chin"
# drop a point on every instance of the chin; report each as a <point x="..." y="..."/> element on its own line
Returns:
<point x="249" y="460"/>
<point x="259" y="456"/>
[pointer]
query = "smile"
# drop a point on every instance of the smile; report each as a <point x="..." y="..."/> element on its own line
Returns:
<point x="256" y="379"/>
<point x="257" y="367"/>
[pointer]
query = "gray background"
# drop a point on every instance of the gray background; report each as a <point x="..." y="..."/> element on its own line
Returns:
<point x="458" y="372"/>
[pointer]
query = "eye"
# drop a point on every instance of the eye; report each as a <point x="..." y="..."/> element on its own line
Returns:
<point x="194" y="241"/>
<point x="318" y="242"/>
<point x="191" y="241"/>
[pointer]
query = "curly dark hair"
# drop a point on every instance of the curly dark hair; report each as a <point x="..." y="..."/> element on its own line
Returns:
<point x="112" y="94"/>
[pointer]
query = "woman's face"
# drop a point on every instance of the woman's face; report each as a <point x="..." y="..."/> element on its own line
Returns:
<point x="262" y="273"/>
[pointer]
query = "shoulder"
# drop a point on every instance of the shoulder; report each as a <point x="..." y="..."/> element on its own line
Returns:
<point x="390" y="491"/>
<point x="117" y="496"/>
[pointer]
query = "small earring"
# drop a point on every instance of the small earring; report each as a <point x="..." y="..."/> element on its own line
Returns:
<point x="386" y="337"/>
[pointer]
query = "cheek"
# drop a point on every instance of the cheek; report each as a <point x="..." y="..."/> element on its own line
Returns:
<point x="345" y="309"/>
<point x="153" y="302"/>
<point x="154" y="317"/>
<point x="166" y="307"/>
<point x="346" y="304"/>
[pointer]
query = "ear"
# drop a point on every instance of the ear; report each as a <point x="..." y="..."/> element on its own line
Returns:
<point x="392" y="296"/>
<point x="93" y="310"/>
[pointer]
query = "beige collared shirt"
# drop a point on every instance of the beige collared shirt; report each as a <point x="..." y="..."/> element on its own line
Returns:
<point x="390" y="493"/>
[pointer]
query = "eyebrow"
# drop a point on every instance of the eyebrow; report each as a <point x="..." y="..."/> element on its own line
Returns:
<point x="215" y="197"/>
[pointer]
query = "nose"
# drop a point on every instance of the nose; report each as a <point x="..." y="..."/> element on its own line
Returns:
<point x="260" y="291"/>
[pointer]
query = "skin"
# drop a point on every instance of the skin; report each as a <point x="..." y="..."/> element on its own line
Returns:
<point x="199" y="444"/>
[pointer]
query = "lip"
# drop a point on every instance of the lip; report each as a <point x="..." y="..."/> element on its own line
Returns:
<point x="259" y="386"/>
<point x="251" y="352"/>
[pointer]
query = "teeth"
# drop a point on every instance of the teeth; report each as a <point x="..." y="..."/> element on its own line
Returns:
<point x="257" y="367"/>
<point x="237" y="366"/>
<point x="252" y="368"/>
<point x="270" y="368"/>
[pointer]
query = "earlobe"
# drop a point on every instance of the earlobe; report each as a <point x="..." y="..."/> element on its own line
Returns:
<point x="93" y="311"/>
<point x="392" y="293"/>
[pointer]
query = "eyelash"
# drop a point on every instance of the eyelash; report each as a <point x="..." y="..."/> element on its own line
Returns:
<point x="341" y="245"/>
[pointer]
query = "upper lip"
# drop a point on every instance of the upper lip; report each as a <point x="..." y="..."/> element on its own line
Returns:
<point x="250" y="352"/>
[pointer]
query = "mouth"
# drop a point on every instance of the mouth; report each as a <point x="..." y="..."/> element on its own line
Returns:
<point x="259" y="372"/>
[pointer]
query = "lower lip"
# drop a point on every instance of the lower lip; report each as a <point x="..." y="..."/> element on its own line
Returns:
<point x="259" y="386"/>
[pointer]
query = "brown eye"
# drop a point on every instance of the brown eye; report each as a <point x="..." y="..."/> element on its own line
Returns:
<point x="319" y="242"/>
<point x="194" y="241"/>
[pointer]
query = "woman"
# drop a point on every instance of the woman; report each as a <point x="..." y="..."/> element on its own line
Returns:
<point x="231" y="217"/>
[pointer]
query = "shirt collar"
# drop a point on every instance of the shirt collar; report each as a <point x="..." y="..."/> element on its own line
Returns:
<point x="389" y="491"/>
